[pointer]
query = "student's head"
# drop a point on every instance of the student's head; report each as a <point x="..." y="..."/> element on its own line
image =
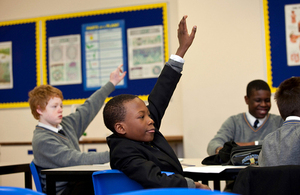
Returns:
<point x="46" y="104"/>
<point x="258" y="98"/>
<point x="287" y="97"/>
<point x="128" y="116"/>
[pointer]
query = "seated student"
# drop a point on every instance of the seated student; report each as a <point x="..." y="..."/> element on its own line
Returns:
<point x="137" y="147"/>
<point x="248" y="128"/>
<point x="52" y="149"/>
<point x="282" y="146"/>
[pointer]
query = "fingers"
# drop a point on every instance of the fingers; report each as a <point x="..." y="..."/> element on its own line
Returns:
<point x="203" y="186"/>
<point x="117" y="75"/>
<point x="120" y="66"/>
<point x="123" y="75"/>
<point x="183" y="21"/>
<point x="182" y="30"/>
<point x="185" y="39"/>
<point x="119" y="69"/>
<point x="194" y="29"/>
<point x="182" y="25"/>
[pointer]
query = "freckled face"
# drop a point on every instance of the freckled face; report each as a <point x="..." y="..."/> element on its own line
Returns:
<point x="52" y="115"/>
<point x="259" y="103"/>
<point x="138" y="124"/>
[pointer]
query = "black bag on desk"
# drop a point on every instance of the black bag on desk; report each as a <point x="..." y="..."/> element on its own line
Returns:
<point x="233" y="154"/>
<point x="245" y="155"/>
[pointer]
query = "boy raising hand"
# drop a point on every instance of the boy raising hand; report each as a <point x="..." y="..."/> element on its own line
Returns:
<point x="137" y="147"/>
<point x="55" y="139"/>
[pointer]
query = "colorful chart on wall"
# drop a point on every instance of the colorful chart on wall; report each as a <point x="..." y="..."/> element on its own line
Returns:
<point x="282" y="40"/>
<point x="19" y="70"/>
<point x="103" y="44"/>
<point x="133" y="36"/>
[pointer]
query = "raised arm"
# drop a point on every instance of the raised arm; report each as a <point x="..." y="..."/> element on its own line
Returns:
<point x="185" y="39"/>
<point x="167" y="81"/>
<point x="86" y="112"/>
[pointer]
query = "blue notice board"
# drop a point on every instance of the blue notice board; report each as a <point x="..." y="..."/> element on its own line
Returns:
<point x="277" y="41"/>
<point x="127" y="17"/>
<point x="24" y="38"/>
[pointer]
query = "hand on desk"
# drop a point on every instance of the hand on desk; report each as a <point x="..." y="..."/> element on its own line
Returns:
<point x="202" y="186"/>
<point x="238" y="143"/>
<point x="245" y="143"/>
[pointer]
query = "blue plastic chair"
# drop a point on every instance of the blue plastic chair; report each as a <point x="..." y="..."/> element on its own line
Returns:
<point x="113" y="181"/>
<point x="175" y="191"/>
<point x="7" y="190"/>
<point x="167" y="173"/>
<point x="36" y="177"/>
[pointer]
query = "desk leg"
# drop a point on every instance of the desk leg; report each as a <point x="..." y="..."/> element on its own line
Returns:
<point x="50" y="185"/>
<point x="204" y="182"/>
<point x="28" y="180"/>
<point x="217" y="185"/>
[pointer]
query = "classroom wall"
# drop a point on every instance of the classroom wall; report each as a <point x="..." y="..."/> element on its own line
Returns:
<point x="18" y="124"/>
<point x="227" y="53"/>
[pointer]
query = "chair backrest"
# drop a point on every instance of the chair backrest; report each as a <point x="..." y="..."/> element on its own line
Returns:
<point x="282" y="179"/>
<point x="175" y="191"/>
<point x="7" y="190"/>
<point x="113" y="181"/>
<point x="36" y="177"/>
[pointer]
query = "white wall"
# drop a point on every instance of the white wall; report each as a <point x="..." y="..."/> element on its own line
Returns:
<point x="227" y="53"/>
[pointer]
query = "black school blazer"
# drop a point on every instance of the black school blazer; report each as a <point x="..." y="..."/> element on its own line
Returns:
<point x="138" y="160"/>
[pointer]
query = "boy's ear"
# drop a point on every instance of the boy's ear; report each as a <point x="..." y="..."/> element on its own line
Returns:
<point x="119" y="127"/>
<point x="38" y="110"/>
<point x="246" y="99"/>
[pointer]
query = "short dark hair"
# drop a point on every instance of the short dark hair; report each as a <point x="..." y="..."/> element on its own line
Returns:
<point x="288" y="97"/>
<point x="257" y="85"/>
<point x="115" y="111"/>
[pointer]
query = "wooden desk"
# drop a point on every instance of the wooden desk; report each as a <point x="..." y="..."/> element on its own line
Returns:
<point x="8" y="168"/>
<point x="84" y="172"/>
<point x="94" y="140"/>
<point x="74" y="173"/>
<point x="97" y="140"/>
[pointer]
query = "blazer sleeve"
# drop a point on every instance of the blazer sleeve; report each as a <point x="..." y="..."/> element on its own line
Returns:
<point x="161" y="94"/>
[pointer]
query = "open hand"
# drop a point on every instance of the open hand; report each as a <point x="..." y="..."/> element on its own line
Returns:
<point x="185" y="39"/>
<point x="116" y="77"/>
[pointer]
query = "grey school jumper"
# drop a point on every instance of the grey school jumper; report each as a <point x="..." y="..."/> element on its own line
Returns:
<point x="53" y="150"/>
<point x="237" y="128"/>
<point x="282" y="146"/>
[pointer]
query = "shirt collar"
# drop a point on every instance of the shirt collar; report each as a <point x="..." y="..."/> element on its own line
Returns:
<point x="59" y="127"/>
<point x="289" y="118"/>
<point x="252" y="119"/>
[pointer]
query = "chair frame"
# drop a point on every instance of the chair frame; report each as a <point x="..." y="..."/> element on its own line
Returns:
<point x="36" y="177"/>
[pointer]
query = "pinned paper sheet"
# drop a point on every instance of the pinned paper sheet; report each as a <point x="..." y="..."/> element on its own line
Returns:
<point x="210" y="169"/>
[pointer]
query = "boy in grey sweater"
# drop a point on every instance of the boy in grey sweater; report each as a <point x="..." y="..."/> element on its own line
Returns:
<point x="248" y="128"/>
<point x="56" y="138"/>
<point x="282" y="146"/>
